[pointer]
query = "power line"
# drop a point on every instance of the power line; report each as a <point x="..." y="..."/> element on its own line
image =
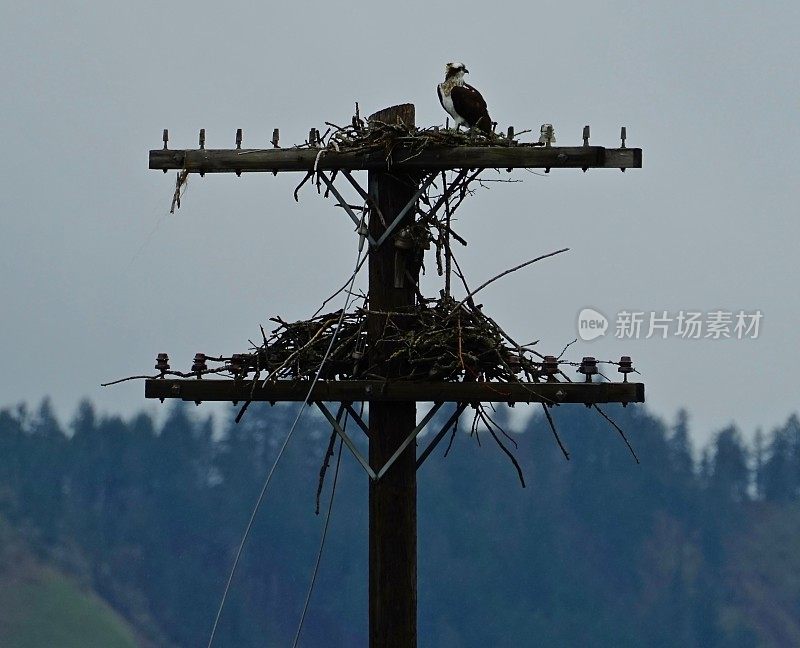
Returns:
<point x="283" y="446"/>
<point x="321" y="547"/>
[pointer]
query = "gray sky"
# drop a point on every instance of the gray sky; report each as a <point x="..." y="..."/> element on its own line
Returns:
<point x="97" y="277"/>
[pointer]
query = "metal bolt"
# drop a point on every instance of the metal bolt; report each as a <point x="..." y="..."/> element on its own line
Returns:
<point x="585" y="141"/>
<point x="202" y="138"/>
<point x="238" y="146"/>
<point x="165" y="137"/>
<point x="275" y="138"/>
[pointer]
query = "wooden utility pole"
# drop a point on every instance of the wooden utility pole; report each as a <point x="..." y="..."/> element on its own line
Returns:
<point x="393" y="499"/>
<point x="394" y="185"/>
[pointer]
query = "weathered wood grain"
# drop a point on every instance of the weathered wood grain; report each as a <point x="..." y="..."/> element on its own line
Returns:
<point x="397" y="391"/>
<point x="432" y="159"/>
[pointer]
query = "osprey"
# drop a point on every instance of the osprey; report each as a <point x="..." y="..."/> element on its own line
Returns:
<point x="463" y="102"/>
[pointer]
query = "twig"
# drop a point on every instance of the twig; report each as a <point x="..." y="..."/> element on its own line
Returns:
<point x="121" y="380"/>
<point x="328" y="455"/>
<point x="619" y="429"/>
<point x="309" y="175"/>
<point x="447" y="253"/>
<point x="498" y="426"/>
<point x="321" y="548"/>
<point x="480" y="412"/>
<point x="555" y="432"/>
<point x="181" y="182"/>
<point x="564" y="350"/>
<point x="452" y="437"/>
<point x="344" y="286"/>
<point x="314" y="337"/>
<point x="503" y="274"/>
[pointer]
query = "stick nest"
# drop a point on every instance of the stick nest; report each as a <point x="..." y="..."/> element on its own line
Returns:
<point x="436" y="340"/>
<point x="376" y="135"/>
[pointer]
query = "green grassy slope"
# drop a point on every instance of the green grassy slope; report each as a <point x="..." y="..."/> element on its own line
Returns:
<point x="42" y="608"/>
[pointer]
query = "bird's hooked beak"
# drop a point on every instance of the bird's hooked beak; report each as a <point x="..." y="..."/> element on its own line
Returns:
<point x="466" y="71"/>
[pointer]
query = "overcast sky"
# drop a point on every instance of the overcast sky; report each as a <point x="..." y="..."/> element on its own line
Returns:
<point x="97" y="277"/>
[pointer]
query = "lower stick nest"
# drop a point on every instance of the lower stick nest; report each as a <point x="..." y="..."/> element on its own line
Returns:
<point x="441" y="340"/>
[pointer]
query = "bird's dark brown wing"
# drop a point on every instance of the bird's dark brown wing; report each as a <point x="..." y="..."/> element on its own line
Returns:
<point x="469" y="103"/>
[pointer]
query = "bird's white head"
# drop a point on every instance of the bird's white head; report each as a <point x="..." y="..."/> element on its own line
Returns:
<point x="455" y="69"/>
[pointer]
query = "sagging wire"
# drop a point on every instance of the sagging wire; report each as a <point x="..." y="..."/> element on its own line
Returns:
<point x="271" y="472"/>
<point x="321" y="544"/>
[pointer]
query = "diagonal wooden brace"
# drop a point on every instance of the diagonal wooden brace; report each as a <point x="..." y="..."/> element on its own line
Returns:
<point x="413" y="435"/>
<point x="411" y="204"/>
<point x="432" y="445"/>
<point x="393" y="225"/>
<point x="345" y="206"/>
<point x="334" y="421"/>
<point x="357" y="418"/>
<point x="364" y="195"/>
<point x="346" y="439"/>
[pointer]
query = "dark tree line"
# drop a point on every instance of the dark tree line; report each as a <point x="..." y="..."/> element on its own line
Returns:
<point x="595" y="551"/>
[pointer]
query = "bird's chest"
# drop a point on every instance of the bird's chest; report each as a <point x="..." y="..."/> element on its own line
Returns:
<point x="447" y="103"/>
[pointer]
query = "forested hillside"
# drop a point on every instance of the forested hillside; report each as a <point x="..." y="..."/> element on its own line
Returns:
<point x="594" y="551"/>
